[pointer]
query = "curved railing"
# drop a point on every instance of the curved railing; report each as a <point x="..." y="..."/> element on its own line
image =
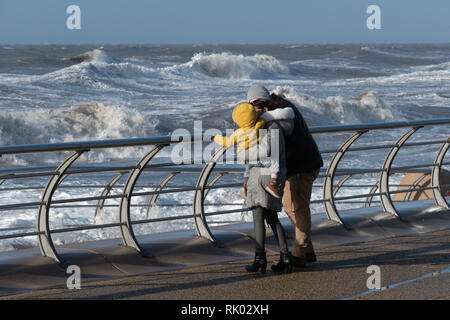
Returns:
<point x="204" y="184"/>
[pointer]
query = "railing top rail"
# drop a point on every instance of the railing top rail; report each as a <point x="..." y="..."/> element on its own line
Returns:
<point x="379" y="125"/>
<point x="95" y="144"/>
<point x="133" y="142"/>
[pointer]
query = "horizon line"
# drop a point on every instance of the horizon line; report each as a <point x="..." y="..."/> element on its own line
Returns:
<point x="220" y="44"/>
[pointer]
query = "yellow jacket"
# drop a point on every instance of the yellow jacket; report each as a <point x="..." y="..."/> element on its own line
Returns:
<point x="244" y="115"/>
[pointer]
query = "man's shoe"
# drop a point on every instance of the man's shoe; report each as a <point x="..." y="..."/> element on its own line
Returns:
<point x="298" y="262"/>
<point x="311" y="257"/>
<point x="272" y="190"/>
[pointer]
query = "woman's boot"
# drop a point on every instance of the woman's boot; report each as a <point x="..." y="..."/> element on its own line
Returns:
<point x="284" y="265"/>
<point x="259" y="262"/>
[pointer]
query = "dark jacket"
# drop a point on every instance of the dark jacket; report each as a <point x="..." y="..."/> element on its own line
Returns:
<point x="302" y="153"/>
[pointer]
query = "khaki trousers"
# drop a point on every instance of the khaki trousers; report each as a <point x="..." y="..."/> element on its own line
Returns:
<point x="297" y="196"/>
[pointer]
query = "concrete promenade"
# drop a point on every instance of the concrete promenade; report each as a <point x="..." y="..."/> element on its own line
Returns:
<point x="413" y="256"/>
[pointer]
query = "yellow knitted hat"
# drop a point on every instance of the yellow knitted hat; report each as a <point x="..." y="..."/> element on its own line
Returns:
<point x="245" y="116"/>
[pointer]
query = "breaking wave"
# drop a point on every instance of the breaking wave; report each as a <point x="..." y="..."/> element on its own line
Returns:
<point x="367" y="107"/>
<point x="231" y="66"/>
<point x="77" y="123"/>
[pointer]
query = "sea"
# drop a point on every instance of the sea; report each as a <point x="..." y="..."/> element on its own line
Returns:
<point x="65" y="93"/>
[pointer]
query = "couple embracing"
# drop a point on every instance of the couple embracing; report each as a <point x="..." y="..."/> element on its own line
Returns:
<point x="276" y="179"/>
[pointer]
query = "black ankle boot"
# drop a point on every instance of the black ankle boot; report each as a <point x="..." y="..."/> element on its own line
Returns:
<point x="259" y="262"/>
<point x="284" y="265"/>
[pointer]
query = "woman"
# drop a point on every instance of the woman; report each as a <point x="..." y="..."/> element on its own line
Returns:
<point x="265" y="206"/>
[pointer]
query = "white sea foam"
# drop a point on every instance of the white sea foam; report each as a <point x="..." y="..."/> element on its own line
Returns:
<point x="99" y="121"/>
<point x="99" y="55"/>
<point x="231" y="66"/>
<point x="77" y="123"/>
<point x="367" y="107"/>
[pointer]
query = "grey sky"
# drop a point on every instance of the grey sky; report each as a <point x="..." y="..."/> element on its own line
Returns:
<point x="231" y="21"/>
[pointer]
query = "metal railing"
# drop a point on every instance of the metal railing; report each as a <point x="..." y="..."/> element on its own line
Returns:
<point x="204" y="184"/>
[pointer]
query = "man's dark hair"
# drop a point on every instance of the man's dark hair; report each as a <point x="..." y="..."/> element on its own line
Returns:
<point x="276" y="102"/>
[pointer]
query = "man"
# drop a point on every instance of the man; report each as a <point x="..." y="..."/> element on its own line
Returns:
<point x="303" y="162"/>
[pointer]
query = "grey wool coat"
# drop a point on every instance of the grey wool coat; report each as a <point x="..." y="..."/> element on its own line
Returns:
<point x="259" y="176"/>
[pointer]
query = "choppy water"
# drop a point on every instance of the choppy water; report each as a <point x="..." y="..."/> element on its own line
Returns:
<point x="49" y="94"/>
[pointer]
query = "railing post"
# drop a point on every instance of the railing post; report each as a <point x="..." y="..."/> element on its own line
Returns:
<point x="386" y="200"/>
<point x="328" y="194"/>
<point x="212" y="182"/>
<point x="45" y="239"/>
<point x="155" y="196"/>
<point x="340" y="184"/>
<point x="370" y="196"/>
<point x="435" y="176"/>
<point x="126" y="228"/>
<point x="201" y="224"/>
<point x="106" y="191"/>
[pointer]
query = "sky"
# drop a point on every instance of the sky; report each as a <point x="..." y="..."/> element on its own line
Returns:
<point x="223" y="22"/>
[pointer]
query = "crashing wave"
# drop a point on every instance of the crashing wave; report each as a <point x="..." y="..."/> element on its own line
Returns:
<point x="366" y="107"/>
<point x="98" y="70"/>
<point x="231" y="66"/>
<point x="96" y="121"/>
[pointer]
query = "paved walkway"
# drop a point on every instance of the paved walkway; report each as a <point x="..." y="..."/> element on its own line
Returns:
<point x="412" y="267"/>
